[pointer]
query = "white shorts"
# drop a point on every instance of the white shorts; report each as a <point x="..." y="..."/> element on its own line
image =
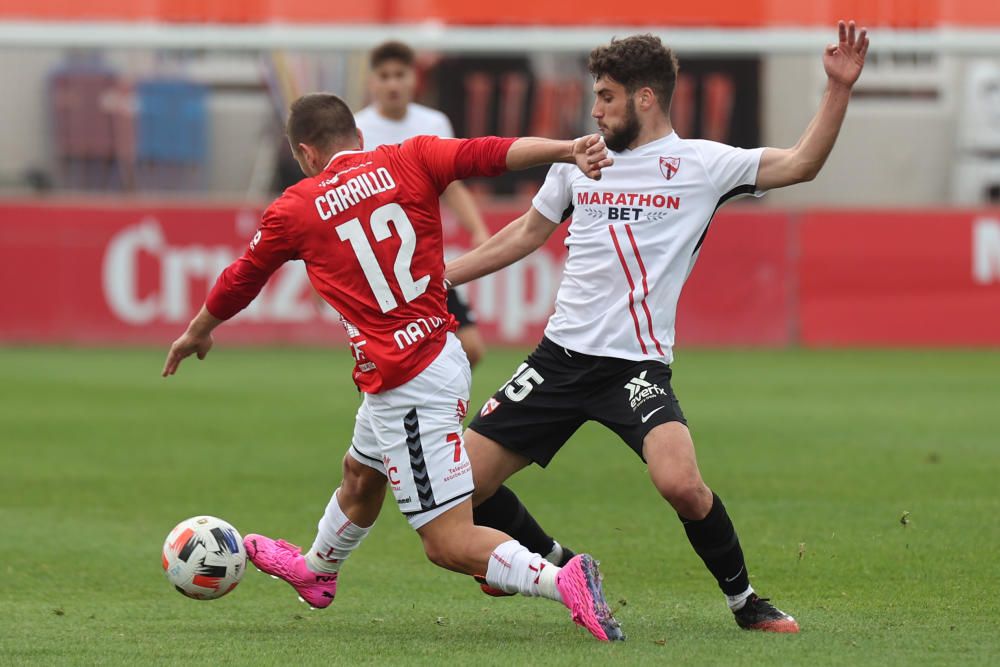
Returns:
<point x="413" y="435"/>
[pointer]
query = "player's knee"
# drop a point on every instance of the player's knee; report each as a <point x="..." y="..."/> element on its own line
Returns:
<point x="484" y="490"/>
<point x="690" y="498"/>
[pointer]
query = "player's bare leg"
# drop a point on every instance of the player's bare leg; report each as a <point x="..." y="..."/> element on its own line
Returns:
<point x="452" y="541"/>
<point x="362" y="491"/>
<point x="496" y="506"/>
<point x="493" y="464"/>
<point x="673" y="468"/>
<point x="349" y="516"/>
<point x="472" y="342"/>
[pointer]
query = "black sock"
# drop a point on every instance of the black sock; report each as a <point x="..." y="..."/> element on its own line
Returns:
<point x="714" y="539"/>
<point x="504" y="511"/>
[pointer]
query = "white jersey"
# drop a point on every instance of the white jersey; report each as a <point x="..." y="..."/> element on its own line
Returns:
<point x="634" y="238"/>
<point x="379" y="130"/>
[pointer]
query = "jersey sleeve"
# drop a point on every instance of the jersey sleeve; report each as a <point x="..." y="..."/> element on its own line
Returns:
<point x="242" y="281"/>
<point x="733" y="171"/>
<point x="447" y="160"/>
<point x="554" y="199"/>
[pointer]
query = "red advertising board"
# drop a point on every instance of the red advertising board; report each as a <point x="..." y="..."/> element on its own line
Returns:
<point x="900" y="278"/>
<point x="132" y="273"/>
<point x="741" y="290"/>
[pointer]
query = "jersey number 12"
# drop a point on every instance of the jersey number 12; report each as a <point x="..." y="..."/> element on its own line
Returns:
<point x="353" y="232"/>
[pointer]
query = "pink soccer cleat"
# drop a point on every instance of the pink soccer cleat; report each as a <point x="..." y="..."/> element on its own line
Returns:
<point x="285" y="561"/>
<point x="579" y="584"/>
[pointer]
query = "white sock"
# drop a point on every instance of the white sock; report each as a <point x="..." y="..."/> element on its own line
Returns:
<point x="736" y="602"/>
<point x="514" y="569"/>
<point x="336" y="538"/>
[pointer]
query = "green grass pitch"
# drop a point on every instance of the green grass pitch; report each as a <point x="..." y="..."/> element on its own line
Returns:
<point x="864" y="485"/>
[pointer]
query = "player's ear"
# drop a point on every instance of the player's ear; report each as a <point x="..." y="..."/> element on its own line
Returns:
<point x="309" y="155"/>
<point x="361" y="138"/>
<point x="646" y="98"/>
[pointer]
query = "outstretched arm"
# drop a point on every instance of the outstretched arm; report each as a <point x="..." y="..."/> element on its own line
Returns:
<point x="236" y="287"/>
<point x="843" y="63"/>
<point x="588" y="153"/>
<point x="515" y="241"/>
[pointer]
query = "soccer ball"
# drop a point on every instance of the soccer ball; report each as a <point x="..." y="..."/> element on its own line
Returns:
<point x="204" y="557"/>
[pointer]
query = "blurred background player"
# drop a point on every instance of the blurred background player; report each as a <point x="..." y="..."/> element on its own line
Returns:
<point x="391" y="118"/>
<point x="635" y="236"/>
<point x="414" y="375"/>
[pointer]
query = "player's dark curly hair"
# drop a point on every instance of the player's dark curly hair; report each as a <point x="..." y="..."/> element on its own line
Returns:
<point x="319" y="119"/>
<point x="637" y="62"/>
<point x="391" y="50"/>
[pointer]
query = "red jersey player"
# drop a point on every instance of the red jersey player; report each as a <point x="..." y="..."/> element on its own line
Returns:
<point x="367" y="226"/>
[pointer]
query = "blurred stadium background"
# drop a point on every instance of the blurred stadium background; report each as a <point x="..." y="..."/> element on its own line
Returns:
<point x="141" y="139"/>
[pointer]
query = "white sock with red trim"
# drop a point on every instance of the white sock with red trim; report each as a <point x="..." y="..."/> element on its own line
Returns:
<point x="336" y="538"/>
<point x="514" y="569"/>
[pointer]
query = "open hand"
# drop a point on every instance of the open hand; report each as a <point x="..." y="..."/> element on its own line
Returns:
<point x="591" y="155"/>
<point x="184" y="347"/>
<point x="844" y="61"/>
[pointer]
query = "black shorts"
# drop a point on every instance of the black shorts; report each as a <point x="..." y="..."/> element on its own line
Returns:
<point x="460" y="309"/>
<point x="556" y="390"/>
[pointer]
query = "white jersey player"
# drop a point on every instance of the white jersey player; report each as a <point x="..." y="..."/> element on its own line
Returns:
<point x="634" y="238"/>
<point x="416" y="119"/>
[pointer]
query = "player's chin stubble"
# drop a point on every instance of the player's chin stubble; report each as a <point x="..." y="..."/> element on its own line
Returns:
<point x="620" y="139"/>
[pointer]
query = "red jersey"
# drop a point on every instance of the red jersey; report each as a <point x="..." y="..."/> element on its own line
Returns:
<point x="369" y="231"/>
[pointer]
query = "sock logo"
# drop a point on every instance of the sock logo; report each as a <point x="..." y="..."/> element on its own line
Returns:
<point x="733" y="578"/>
<point x="641" y="390"/>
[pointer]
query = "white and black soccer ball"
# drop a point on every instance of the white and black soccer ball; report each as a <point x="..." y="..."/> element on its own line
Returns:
<point x="204" y="557"/>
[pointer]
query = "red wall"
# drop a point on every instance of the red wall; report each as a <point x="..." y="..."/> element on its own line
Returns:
<point x="729" y="13"/>
<point x="114" y="273"/>
<point x="884" y="278"/>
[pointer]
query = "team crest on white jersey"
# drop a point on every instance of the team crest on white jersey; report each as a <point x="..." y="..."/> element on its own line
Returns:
<point x="641" y="390"/>
<point x="669" y="166"/>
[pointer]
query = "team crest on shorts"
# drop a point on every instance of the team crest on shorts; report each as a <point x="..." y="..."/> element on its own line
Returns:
<point x="669" y="166"/>
<point x="461" y="410"/>
<point x="489" y="407"/>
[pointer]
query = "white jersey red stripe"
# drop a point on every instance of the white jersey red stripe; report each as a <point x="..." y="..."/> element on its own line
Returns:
<point x="619" y="299"/>
<point x="631" y="287"/>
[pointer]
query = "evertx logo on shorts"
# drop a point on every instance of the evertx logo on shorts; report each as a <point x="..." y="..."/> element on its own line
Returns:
<point x="641" y="390"/>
